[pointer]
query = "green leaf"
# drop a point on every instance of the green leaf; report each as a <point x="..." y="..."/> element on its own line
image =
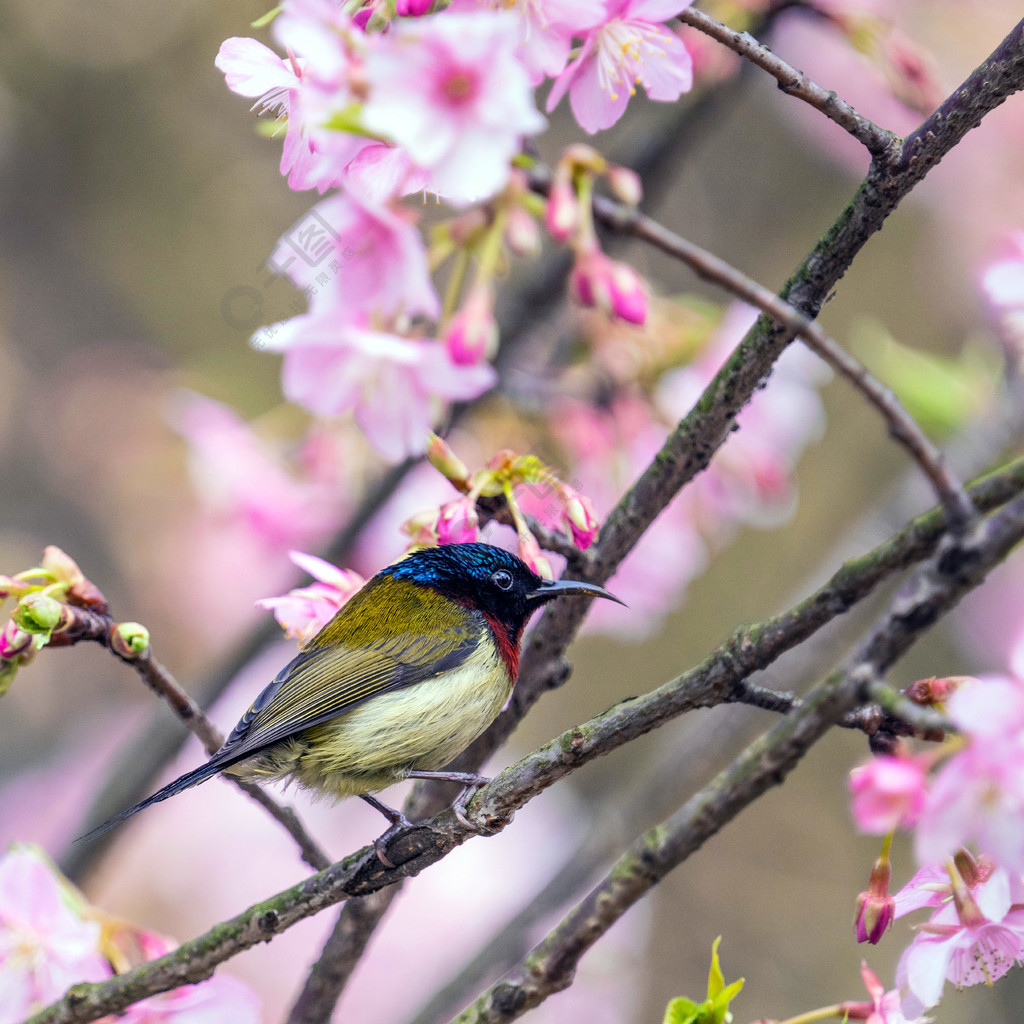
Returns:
<point x="714" y="1009"/>
<point x="940" y="392"/>
<point x="681" y="1011"/>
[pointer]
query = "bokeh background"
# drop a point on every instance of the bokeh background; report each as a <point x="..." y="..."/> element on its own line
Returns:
<point x="137" y="207"/>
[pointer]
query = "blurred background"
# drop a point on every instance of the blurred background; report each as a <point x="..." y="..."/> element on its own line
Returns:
<point x="137" y="207"/>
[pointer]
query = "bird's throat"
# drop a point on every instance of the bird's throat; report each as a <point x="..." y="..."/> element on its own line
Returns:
<point x="507" y="643"/>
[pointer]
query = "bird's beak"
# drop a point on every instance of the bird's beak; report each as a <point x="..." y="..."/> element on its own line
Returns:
<point x="550" y="589"/>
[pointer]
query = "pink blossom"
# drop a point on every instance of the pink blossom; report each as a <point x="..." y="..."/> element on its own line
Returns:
<point x="888" y="793"/>
<point x="965" y="954"/>
<point x="458" y="522"/>
<point x="304" y="611"/>
<point x="979" y="793"/>
<point x="45" y="946"/>
<point x="975" y="934"/>
<point x="629" y="46"/>
<point x="366" y="257"/>
<point x="609" y="285"/>
<point x="310" y="156"/>
<point x="393" y="385"/>
<point x="449" y="88"/>
<point x="545" y="29"/>
<point x="240" y="478"/>
<point x="884" y="1007"/>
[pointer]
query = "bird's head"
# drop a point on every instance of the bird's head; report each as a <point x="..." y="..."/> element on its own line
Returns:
<point x="490" y="580"/>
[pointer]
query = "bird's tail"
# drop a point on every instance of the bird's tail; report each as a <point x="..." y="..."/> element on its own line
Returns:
<point x="187" y="781"/>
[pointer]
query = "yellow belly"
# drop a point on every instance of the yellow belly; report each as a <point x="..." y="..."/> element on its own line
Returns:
<point x="423" y="726"/>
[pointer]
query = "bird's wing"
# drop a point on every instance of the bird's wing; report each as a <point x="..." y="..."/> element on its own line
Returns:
<point x="324" y="682"/>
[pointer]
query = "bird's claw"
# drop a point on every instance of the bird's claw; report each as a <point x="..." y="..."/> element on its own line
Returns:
<point x="460" y="807"/>
<point x="380" y="844"/>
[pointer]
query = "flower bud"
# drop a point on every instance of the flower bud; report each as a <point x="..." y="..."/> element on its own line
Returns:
<point x="531" y="554"/>
<point x="458" y="522"/>
<point x="61" y="566"/>
<point x="446" y="462"/>
<point x="563" y="212"/>
<point x="472" y="335"/>
<point x="521" y="233"/>
<point x="625" y="184"/>
<point x="609" y="285"/>
<point x="13" y="641"/>
<point x="129" y="640"/>
<point x="38" y="613"/>
<point x="579" y="515"/>
<point x="875" y="907"/>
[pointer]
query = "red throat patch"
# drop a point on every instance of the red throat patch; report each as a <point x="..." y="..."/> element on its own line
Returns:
<point x="508" y="646"/>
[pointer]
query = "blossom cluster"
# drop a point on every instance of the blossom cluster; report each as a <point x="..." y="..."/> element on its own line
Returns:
<point x="969" y="792"/>
<point x="51" y="938"/>
<point x="382" y="106"/>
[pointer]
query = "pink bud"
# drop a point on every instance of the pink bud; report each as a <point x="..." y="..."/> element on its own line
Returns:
<point x="609" y="285"/>
<point x="579" y="515"/>
<point x="531" y="554"/>
<point x="563" y="211"/>
<point x="472" y="335"/>
<point x="875" y="907"/>
<point x="522" y="235"/>
<point x="441" y="456"/>
<point x="458" y="522"/>
<point x="412" y="8"/>
<point x="13" y="641"/>
<point x="625" y="184"/>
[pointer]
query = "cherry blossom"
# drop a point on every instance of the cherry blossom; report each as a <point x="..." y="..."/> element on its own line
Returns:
<point x="979" y="793"/>
<point x="629" y="46"/>
<point x="975" y="935"/>
<point x="545" y="29"/>
<point x="304" y="611"/>
<point x="888" y="793"/>
<point x="239" y="477"/>
<point x="449" y="88"/>
<point x="45" y="946"/>
<point x="394" y="385"/>
<point x="363" y="256"/>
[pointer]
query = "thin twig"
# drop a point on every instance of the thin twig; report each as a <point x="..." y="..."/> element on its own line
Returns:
<point x="707" y="265"/>
<point x="878" y="141"/>
<point x="83" y="624"/>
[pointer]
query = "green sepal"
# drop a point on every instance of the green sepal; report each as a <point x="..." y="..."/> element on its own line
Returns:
<point x="267" y="18"/>
<point x="714" y="1009"/>
<point x="37" y="613"/>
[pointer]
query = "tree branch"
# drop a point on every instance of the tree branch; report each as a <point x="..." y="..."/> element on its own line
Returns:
<point x="962" y="563"/>
<point x="878" y="141"/>
<point x="933" y="590"/>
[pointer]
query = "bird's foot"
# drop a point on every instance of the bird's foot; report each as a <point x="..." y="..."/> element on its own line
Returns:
<point x="471" y="782"/>
<point x="398" y="822"/>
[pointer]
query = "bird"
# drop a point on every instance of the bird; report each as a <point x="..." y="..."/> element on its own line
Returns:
<point x="408" y="672"/>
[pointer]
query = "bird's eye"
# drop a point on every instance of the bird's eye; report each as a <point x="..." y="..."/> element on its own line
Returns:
<point x="502" y="579"/>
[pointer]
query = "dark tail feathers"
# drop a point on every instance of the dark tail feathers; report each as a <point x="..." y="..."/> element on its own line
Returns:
<point x="187" y="781"/>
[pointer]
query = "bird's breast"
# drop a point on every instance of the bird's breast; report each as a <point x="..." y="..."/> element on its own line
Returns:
<point x="423" y="726"/>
